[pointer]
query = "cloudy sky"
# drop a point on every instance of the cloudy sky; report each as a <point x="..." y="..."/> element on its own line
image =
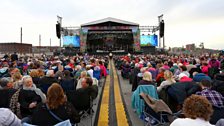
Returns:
<point x="186" y="21"/>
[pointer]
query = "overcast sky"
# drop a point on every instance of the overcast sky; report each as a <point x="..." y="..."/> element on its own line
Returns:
<point x="186" y="21"/>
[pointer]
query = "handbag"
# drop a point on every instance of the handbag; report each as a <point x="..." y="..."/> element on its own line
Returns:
<point x="62" y="122"/>
<point x="55" y="116"/>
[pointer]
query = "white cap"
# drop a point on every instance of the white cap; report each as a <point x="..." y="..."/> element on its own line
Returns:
<point x="181" y="75"/>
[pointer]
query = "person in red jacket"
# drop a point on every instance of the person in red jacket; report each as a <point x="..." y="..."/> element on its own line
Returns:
<point x="160" y="76"/>
<point x="103" y="69"/>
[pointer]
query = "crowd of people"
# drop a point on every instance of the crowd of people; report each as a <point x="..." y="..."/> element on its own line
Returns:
<point x="177" y="78"/>
<point x="48" y="90"/>
<point x="59" y="88"/>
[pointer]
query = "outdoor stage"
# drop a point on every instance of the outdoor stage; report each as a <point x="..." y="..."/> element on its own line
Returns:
<point x="110" y="35"/>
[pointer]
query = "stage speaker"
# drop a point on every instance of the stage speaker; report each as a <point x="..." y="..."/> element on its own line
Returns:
<point x="58" y="30"/>
<point x="161" y="28"/>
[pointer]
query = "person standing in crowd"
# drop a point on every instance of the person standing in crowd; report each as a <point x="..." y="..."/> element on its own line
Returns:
<point x="14" y="57"/>
<point x="6" y="56"/>
<point x="214" y="66"/>
<point x="103" y="69"/>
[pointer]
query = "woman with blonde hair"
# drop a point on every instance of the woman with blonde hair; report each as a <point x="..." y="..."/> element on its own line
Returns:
<point x="17" y="80"/>
<point x="82" y="76"/>
<point x="40" y="73"/>
<point x="56" y="105"/>
<point x="146" y="79"/>
<point x="168" y="76"/>
<point x="35" y="76"/>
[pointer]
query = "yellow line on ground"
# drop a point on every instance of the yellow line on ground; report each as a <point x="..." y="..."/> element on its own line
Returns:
<point x="104" y="108"/>
<point x="120" y="112"/>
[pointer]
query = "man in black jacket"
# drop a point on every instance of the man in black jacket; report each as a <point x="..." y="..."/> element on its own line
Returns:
<point x="218" y="83"/>
<point x="14" y="57"/>
<point x="47" y="81"/>
<point x="181" y="90"/>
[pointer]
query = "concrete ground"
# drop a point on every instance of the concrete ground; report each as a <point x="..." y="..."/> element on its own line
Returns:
<point x="126" y="92"/>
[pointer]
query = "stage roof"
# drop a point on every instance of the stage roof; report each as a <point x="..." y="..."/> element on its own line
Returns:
<point x="109" y="19"/>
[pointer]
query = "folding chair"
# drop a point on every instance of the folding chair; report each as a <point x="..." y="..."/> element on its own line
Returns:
<point x="82" y="100"/>
<point x="137" y="103"/>
<point x="157" y="112"/>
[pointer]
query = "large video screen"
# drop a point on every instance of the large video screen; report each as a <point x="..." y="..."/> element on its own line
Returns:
<point x="149" y="40"/>
<point x="71" y="41"/>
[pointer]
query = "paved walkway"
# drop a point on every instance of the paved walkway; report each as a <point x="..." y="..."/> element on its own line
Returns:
<point x="112" y="111"/>
<point x="113" y="104"/>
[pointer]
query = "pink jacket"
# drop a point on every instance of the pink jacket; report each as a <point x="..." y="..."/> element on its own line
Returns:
<point x="103" y="70"/>
<point x="204" y="69"/>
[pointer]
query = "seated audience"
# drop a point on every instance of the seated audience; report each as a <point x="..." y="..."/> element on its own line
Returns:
<point x="160" y="76"/>
<point x="29" y="96"/>
<point x="8" y="118"/>
<point x="57" y="104"/>
<point x="17" y="80"/>
<point x="6" y="91"/>
<point x="81" y="97"/>
<point x="197" y="110"/>
<point x="146" y="79"/>
<point x="198" y="77"/>
<point x="83" y="75"/>
<point x="134" y="77"/>
<point x="168" y="76"/>
<point x="214" y="97"/>
<point x="218" y="83"/>
<point x="67" y="82"/>
<point x="35" y="77"/>
<point x="184" y="78"/>
<point x="46" y="81"/>
<point x="89" y="70"/>
<point x="181" y="90"/>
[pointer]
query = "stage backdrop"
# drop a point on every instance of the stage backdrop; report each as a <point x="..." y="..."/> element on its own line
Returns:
<point x="149" y="40"/>
<point x="71" y="41"/>
<point x="135" y="31"/>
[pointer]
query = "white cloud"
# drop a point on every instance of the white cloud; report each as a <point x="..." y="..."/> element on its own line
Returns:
<point x="186" y="21"/>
